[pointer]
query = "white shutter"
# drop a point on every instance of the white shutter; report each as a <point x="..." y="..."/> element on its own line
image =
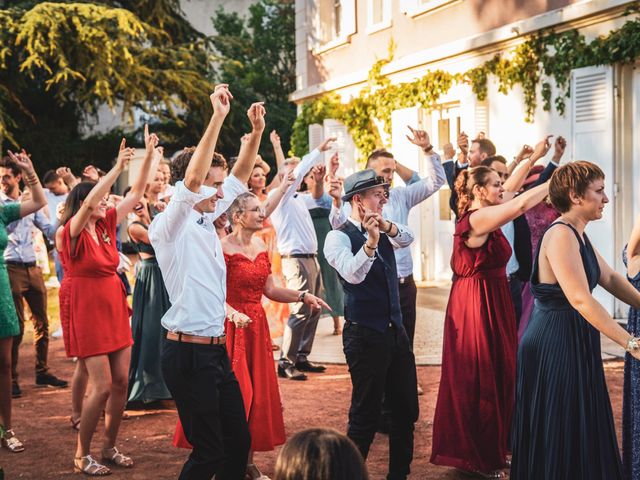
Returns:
<point x="592" y="140"/>
<point x="481" y="118"/>
<point x="348" y="18"/>
<point x="316" y="135"/>
<point x="344" y="145"/>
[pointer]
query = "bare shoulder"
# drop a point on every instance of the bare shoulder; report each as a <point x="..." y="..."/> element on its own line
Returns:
<point x="259" y="244"/>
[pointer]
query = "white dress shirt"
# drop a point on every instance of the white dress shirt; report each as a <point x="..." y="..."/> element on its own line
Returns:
<point x="354" y="268"/>
<point x="401" y="201"/>
<point x="190" y="257"/>
<point x="291" y="218"/>
<point x="508" y="230"/>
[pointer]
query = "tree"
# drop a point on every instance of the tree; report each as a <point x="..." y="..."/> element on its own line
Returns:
<point x="60" y="61"/>
<point x="256" y="56"/>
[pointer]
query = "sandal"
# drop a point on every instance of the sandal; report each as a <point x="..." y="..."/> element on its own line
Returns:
<point x="254" y="474"/>
<point x="496" y="474"/>
<point x="89" y="466"/>
<point x="11" y="442"/>
<point x="113" y="456"/>
<point x="75" y="424"/>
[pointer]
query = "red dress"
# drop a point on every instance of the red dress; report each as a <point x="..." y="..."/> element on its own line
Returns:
<point x="471" y="427"/>
<point x="93" y="300"/>
<point x="251" y="354"/>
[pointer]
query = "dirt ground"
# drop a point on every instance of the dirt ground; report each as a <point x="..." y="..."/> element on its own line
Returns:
<point x="41" y="422"/>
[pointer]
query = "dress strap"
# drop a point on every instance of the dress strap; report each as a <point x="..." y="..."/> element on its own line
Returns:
<point x="534" y="270"/>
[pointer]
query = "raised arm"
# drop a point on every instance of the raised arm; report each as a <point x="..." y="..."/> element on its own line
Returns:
<point x="279" y="154"/>
<point x="272" y="201"/>
<point x="318" y="173"/>
<point x="488" y="219"/>
<point x="514" y="183"/>
<point x="37" y="199"/>
<point x="249" y="149"/>
<point x="125" y="206"/>
<point x="566" y="264"/>
<point x="101" y="189"/>
<point x="202" y="157"/>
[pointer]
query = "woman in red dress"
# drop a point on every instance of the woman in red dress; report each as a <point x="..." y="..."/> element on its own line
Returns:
<point x="97" y="311"/>
<point x="248" y="278"/>
<point x="472" y="423"/>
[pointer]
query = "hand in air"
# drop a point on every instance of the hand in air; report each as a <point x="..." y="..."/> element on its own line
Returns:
<point x="221" y="99"/>
<point x="256" y="115"/>
<point x="22" y="160"/>
<point x="326" y="145"/>
<point x="419" y="138"/>
<point x="124" y="155"/>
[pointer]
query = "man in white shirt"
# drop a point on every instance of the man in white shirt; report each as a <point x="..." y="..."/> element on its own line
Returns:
<point x="56" y="191"/>
<point x="400" y="202"/>
<point x="195" y="364"/>
<point x="297" y="244"/>
<point x="381" y="363"/>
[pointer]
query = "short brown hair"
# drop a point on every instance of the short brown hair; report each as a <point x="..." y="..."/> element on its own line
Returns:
<point x="572" y="177"/>
<point x="377" y="153"/>
<point x="319" y="454"/>
<point x="181" y="162"/>
<point x="486" y="146"/>
<point x="6" y="162"/>
<point x="496" y="158"/>
<point x="467" y="179"/>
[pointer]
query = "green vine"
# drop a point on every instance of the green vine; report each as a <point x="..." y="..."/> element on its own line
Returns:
<point x="543" y="56"/>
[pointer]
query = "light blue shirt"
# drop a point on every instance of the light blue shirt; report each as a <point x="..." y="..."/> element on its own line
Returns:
<point x="20" y="232"/>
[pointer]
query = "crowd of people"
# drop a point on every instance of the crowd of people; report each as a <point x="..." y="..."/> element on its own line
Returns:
<point x="227" y="261"/>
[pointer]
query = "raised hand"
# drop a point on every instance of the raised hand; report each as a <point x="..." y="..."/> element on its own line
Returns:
<point x="371" y="225"/>
<point x="326" y="145"/>
<point x="314" y="302"/>
<point x="525" y="152"/>
<point x="542" y="147"/>
<point x="449" y="151"/>
<point x="463" y="143"/>
<point x="420" y="138"/>
<point x="256" y="115"/>
<point x="319" y="172"/>
<point x="286" y="180"/>
<point x="334" y="164"/>
<point x="22" y="160"/>
<point x="221" y="99"/>
<point x="274" y="137"/>
<point x="559" y="146"/>
<point x="150" y="140"/>
<point x="124" y="155"/>
<point x="335" y="187"/>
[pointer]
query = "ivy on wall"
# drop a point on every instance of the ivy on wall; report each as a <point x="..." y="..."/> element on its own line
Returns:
<point x="542" y="57"/>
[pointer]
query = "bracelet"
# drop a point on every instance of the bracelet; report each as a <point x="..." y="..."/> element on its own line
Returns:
<point x="373" y="249"/>
<point x="632" y="344"/>
<point x="390" y="228"/>
<point x="428" y="149"/>
<point x="301" y="296"/>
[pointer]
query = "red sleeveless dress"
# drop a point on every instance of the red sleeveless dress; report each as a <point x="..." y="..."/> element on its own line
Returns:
<point x="250" y="353"/>
<point x="472" y="423"/>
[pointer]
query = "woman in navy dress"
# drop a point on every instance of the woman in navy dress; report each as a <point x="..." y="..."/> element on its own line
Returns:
<point x="631" y="398"/>
<point x="563" y="424"/>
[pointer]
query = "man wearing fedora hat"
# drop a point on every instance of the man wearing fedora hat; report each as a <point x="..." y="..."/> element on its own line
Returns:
<point x="381" y="362"/>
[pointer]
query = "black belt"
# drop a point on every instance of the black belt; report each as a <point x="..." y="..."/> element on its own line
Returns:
<point x="406" y="279"/>
<point x="391" y="324"/>
<point x="299" y="255"/>
<point x="20" y="264"/>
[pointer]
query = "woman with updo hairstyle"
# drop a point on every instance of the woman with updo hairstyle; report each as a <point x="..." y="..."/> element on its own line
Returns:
<point x="472" y="424"/>
<point x="249" y="277"/>
<point x="320" y="454"/>
<point x="563" y="424"/>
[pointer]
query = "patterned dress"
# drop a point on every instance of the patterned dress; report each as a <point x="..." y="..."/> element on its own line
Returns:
<point x="9" y="326"/>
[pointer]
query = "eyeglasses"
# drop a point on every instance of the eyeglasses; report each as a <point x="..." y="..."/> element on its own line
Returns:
<point x="258" y="210"/>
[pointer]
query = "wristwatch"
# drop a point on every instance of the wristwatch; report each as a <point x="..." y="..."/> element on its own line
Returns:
<point x="301" y="296"/>
<point x="632" y="344"/>
<point x="428" y="149"/>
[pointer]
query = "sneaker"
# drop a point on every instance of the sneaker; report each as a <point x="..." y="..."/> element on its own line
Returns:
<point x="57" y="333"/>
<point x="52" y="282"/>
<point x="15" y="390"/>
<point x="48" y="380"/>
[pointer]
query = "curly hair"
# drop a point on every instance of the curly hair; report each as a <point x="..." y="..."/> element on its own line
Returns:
<point x="180" y="163"/>
<point x="467" y="179"/>
<point x="572" y="177"/>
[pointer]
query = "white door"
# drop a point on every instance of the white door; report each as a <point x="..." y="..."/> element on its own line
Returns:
<point x="593" y="140"/>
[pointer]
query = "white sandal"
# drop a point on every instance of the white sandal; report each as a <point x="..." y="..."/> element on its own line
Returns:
<point x="113" y="456"/>
<point x="11" y="442"/>
<point x="89" y="466"/>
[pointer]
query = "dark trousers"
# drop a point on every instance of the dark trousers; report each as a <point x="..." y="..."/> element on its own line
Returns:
<point x="515" y="286"/>
<point x="408" y="296"/>
<point x="382" y="365"/>
<point x="27" y="284"/>
<point x="211" y="410"/>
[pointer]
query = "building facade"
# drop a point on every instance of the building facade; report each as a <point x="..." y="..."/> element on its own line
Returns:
<point x="338" y="41"/>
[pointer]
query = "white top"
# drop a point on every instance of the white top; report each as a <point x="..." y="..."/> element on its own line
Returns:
<point x="190" y="257"/>
<point x="508" y="230"/>
<point x="401" y="201"/>
<point x="291" y="219"/>
<point x="354" y="268"/>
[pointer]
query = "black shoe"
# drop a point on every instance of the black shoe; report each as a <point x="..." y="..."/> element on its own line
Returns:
<point x="307" y="366"/>
<point x="290" y="372"/>
<point x="15" y="390"/>
<point x="48" y="380"/>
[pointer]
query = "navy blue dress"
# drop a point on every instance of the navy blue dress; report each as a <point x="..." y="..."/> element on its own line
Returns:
<point x="631" y="398"/>
<point x="563" y="426"/>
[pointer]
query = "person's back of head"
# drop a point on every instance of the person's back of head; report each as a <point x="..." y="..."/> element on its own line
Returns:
<point x="320" y="454"/>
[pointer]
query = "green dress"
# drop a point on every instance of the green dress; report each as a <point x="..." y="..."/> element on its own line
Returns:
<point x="9" y="326"/>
